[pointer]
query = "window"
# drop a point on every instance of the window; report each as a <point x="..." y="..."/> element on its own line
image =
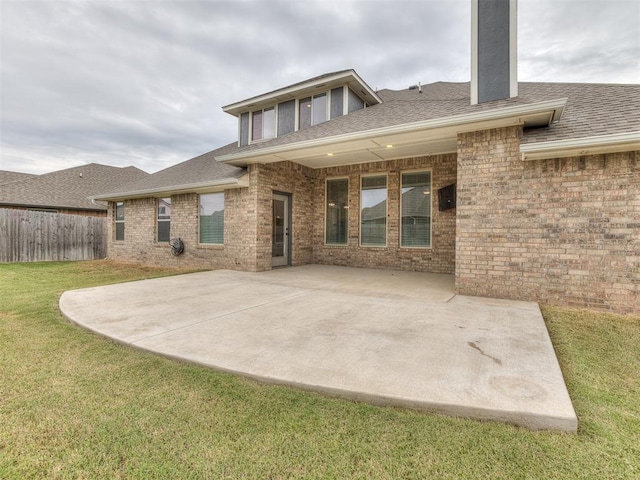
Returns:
<point x="337" y="211"/>
<point x="164" y="219"/>
<point x="416" y="210"/>
<point x="355" y="102"/>
<point x="373" y="214"/>
<point x="119" y="221"/>
<point x="212" y="218"/>
<point x="264" y="124"/>
<point x="312" y="111"/>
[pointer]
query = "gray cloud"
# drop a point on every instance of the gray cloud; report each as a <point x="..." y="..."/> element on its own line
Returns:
<point x="142" y="82"/>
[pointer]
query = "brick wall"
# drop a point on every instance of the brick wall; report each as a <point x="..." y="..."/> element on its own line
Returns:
<point x="562" y="231"/>
<point x="296" y="180"/>
<point x="439" y="258"/>
<point x="140" y="245"/>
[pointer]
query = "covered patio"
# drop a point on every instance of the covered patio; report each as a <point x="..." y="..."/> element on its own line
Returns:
<point x="382" y="336"/>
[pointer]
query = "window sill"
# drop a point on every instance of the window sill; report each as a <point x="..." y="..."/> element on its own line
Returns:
<point x="210" y="246"/>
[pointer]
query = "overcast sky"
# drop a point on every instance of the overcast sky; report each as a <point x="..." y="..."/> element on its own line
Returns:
<point x="131" y="82"/>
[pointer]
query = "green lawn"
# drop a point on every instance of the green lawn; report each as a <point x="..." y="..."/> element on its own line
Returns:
<point x="75" y="405"/>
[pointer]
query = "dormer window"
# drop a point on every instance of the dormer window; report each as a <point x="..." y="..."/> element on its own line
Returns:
<point x="263" y="124"/>
<point x="300" y="106"/>
<point x="312" y="111"/>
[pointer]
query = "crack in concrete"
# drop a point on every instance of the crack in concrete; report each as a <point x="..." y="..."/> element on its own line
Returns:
<point x="473" y="345"/>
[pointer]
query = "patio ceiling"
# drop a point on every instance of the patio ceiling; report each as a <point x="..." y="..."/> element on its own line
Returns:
<point x="431" y="137"/>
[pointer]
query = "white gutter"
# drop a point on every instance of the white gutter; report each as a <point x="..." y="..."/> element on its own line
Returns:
<point x="222" y="184"/>
<point x="619" y="142"/>
<point x="555" y="107"/>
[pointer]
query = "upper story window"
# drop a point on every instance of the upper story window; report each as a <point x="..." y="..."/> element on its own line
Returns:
<point x="312" y="111"/>
<point x="297" y="114"/>
<point x="263" y="124"/>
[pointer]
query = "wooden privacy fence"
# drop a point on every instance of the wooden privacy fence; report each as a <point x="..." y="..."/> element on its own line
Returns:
<point x="28" y="236"/>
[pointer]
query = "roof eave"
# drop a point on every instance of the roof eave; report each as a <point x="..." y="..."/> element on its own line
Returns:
<point x="237" y="108"/>
<point x="95" y="208"/>
<point x="550" y="111"/>
<point x="574" y="147"/>
<point x="159" y="192"/>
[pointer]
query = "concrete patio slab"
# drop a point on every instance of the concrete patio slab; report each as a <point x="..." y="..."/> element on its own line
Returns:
<point x="381" y="336"/>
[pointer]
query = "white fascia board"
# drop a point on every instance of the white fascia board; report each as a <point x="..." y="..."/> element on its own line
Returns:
<point x="201" y="187"/>
<point x="466" y="122"/>
<point x="236" y="108"/>
<point x="574" y="147"/>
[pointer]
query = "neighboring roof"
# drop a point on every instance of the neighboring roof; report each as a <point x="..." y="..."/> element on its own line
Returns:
<point x="592" y="109"/>
<point x="307" y="87"/>
<point x="200" y="175"/>
<point x="68" y="189"/>
<point x="9" y="177"/>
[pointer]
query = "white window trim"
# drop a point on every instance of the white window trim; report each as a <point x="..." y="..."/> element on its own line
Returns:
<point x="326" y="184"/>
<point x="386" y="213"/>
<point x="116" y="221"/>
<point x="164" y="220"/>
<point x="419" y="170"/>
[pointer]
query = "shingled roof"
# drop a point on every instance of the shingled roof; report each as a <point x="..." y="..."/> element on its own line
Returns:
<point x="10" y="177"/>
<point x="591" y="109"/>
<point x="192" y="175"/>
<point x="67" y="189"/>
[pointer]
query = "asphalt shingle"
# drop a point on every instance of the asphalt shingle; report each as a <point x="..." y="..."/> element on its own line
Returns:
<point x="68" y="188"/>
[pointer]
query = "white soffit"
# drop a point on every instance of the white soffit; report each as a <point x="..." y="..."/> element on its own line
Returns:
<point x="622" y="142"/>
<point x="430" y="137"/>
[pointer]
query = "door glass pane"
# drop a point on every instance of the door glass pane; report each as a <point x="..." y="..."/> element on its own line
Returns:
<point x="373" y="217"/>
<point x="278" y="228"/>
<point x="416" y="209"/>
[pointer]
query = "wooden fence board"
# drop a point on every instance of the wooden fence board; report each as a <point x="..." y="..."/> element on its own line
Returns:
<point x="28" y="236"/>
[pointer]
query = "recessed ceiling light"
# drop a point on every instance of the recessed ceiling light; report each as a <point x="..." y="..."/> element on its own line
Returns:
<point x="329" y="154"/>
<point x="389" y="146"/>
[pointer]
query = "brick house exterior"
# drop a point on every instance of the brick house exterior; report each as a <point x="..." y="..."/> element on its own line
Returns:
<point x="546" y="179"/>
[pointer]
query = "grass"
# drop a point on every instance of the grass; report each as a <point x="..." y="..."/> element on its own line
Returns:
<point x="76" y="405"/>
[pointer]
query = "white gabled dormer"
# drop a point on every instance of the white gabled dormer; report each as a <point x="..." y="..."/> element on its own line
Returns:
<point x="300" y="106"/>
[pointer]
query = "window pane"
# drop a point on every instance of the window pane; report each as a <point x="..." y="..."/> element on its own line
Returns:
<point x="164" y="219"/>
<point x="269" y="123"/>
<point x="319" y="109"/>
<point x="256" y="132"/>
<point x="337" y="100"/>
<point x="337" y="212"/>
<point x="119" y="223"/>
<point x="416" y="210"/>
<point x="212" y="218"/>
<point x="286" y="117"/>
<point x="120" y="211"/>
<point x="373" y="217"/>
<point x="304" y="114"/>
<point x="120" y="231"/>
<point x="355" y="102"/>
<point x="244" y="129"/>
